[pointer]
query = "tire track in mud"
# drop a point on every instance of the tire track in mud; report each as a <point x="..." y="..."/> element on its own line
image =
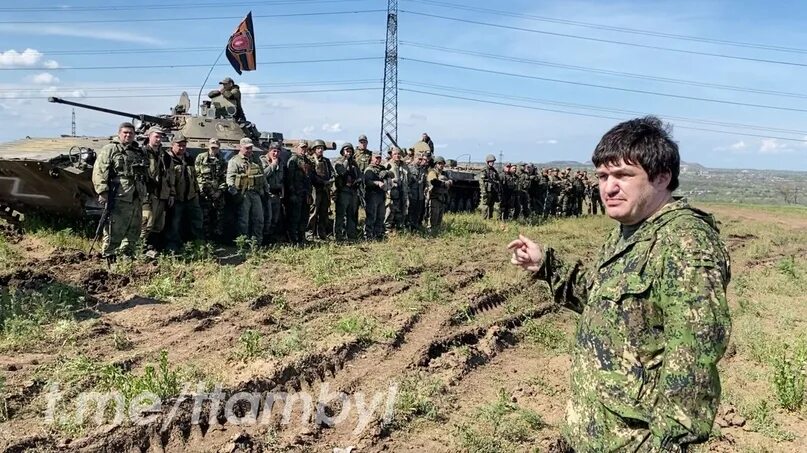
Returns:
<point x="308" y="373"/>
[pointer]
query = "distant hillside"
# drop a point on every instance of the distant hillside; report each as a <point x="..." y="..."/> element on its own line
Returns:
<point x="565" y="163"/>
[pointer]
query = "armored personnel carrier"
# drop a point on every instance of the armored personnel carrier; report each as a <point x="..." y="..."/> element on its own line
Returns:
<point x="465" y="193"/>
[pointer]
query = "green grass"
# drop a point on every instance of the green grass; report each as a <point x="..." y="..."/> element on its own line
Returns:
<point x="251" y="345"/>
<point x="3" y="400"/>
<point x="419" y="397"/>
<point x="500" y="426"/>
<point x="161" y="379"/>
<point x="363" y="327"/>
<point x="544" y="334"/>
<point x="287" y="343"/>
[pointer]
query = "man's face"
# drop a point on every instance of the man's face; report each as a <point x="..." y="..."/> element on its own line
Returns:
<point x="179" y="148"/>
<point x="628" y="194"/>
<point x="155" y="138"/>
<point x="246" y="150"/>
<point x="396" y="155"/>
<point x="319" y="151"/>
<point x="440" y="166"/>
<point x="347" y="152"/>
<point x="376" y="160"/>
<point x="302" y="150"/>
<point x="491" y="163"/>
<point x="126" y="135"/>
<point x="362" y="144"/>
<point x="273" y="154"/>
<point x="214" y="150"/>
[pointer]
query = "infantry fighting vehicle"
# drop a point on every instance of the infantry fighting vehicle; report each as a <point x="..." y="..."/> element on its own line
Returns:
<point x="53" y="175"/>
<point x="464" y="193"/>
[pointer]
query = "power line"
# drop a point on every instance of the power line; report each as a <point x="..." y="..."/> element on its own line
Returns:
<point x="604" y="109"/>
<point x="607" y="41"/>
<point x="91" y="89"/>
<point x="269" y="93"/>
<point x="297" y="45"/>
<point x="605" y="71"/>
<point x="591" y="115"/>
<point x="636" y="31"/>
<point x="158" y="66"/>
<point x="138" y="7"/>
<point x="177" y="19"/>
<point x="608" y="87"/>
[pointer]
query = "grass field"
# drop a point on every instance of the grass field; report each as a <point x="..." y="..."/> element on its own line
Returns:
<point x="475" y="356"/>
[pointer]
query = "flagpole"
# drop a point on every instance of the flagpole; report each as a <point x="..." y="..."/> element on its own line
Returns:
<point x="199" y="96"/>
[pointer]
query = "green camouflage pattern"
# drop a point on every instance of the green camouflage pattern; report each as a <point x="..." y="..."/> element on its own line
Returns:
<point x="654" y="323"/>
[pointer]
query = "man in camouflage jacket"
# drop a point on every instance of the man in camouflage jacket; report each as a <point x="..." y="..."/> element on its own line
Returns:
<point x="654" y="320"/>
<point x="211" y="173"/>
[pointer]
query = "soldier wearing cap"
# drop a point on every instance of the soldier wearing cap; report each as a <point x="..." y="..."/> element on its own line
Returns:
<point x="160" y="189"/>
<point x="363" y="154"/>
<point x="247" y="184"/>
<point x="211" y="174"/>
<point x="298" y="192"/>
<point x="375" y="185"/>
<point x="274" y="171"/>
<point x="232" y="92"/>
<point x="322" y="177"/>
<point x="437" y="185"/>
<point x="119" y="178"/>
<point x="417" y="191"/>
<point x="185" y="210"/>
<point x="490" y="184"/>
<point x="348" y="181"/>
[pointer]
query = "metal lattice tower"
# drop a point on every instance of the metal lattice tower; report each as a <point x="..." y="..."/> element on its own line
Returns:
<point x="73" y="124"/>
<point x="389" y="104"/>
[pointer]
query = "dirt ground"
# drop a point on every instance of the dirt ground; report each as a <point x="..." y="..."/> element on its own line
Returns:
<point x="445" y="322"/>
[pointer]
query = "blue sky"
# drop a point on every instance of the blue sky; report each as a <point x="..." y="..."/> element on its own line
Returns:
<point x="436" y="54"/>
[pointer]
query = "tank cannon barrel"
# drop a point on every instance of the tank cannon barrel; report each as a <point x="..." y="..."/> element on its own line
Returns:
<point x="165" y="122"/>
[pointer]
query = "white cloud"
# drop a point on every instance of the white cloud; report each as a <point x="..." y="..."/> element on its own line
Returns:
<point x="332" y="128"/>
<point x="774" y="146"/>
<point x="308" y="130"/>
<point x="50" y="64"/>
<point x="90" y="33"/>
<point x="738" y="146"/>
<point x="249" y="90"/>
<point x="27" y="58"/>
<point x="45" y="78"/>
<point x="551" y="141"/>
<point x="56" y="91"/>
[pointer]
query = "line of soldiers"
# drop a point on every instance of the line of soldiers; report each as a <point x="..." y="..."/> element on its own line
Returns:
<point x="163" y="198"/>
<point x="522" y="191"/>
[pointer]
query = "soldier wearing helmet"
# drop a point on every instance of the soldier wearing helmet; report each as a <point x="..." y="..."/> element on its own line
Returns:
<point x="319" y="225"/>
<point x="490" y="184"/>
<point x="348" y="181"/>
<point x="298" y="192"/>
<point x="508" y="192"/>
<point x="417" y="191"/>
<point x="375" y="186"/>
<point x="438" y="186"/>
<point x="274" y="171"/>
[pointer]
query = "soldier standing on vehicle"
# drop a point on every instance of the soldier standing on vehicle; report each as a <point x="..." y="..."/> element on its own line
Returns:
<point x="119" y="178"/>
<point x="438" y="185"/>
<point x="186" y="215"/>
<point x="232" y="92"/>
<point x="375" y="187"/>
<point x="654" y="321"/>
<point x="348" y="180"/>
<point x="159" y="186"/>
<point x="298" y="192"/>
<point x="417" y="192"/>
<point x="398" y="195"/>
<point x="491" y="187"/>
<point x="246" y="183"/>
<point x="211" y="173"/>
<point x="273" y="171"/>
<point x="319" y="223"/>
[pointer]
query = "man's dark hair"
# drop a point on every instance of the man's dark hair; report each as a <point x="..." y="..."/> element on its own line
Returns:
<point x="646" y="142"/>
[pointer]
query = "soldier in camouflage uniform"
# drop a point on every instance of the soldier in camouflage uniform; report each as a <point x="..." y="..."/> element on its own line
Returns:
<point x="654" y="321"/>
<point x="245" y="181"/>
<point x="537" y="191"/>
<point x="211" y="172"/>
<point x="186" y="215"/>
<point x="437" y="185"/>
<point x="490" y="185"/>
<point x="119" y="177"/>
<point x="417" y="192"/>
<point x="298" y="191"/>
<point x="273" y="171"/>
<point x="348" y="181"/>
<point x="579" y="189"/>
<point x="553" y="193"/>
<point x="375" y="191"/>
<point x="594" y="196"/>
<point x="398" y="194"/>
<point x="508" y="192"/>
<point x="521" y="205"/>
<point x="159" y="186"/>
<point x="319" y="222"/>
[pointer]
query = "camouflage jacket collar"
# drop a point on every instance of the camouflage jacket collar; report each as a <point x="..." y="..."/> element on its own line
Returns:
<point x="647" y="231"/>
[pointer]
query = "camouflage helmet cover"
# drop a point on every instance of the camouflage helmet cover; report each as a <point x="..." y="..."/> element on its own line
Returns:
<point x="439" y="160"/>
<point x="318" y="142"/>
<point x="490" y="158"/>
